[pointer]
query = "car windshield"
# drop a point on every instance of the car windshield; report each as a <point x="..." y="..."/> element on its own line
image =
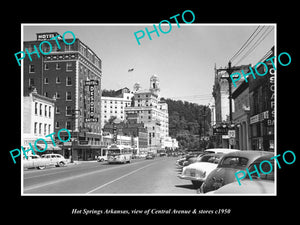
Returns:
<point x="234" y="162"/>
<point x="113" y="152"/>
<point x="210" y="158"/>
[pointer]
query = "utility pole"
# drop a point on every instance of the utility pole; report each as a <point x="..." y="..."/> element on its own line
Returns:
<point x="229" y="70"/>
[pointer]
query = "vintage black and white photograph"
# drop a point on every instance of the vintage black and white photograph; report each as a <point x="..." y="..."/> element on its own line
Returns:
<point x="175" y="108"/>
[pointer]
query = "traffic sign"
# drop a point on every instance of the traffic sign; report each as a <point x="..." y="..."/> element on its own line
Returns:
<point x="231" y="133"/>
<point x="231" y="141"/>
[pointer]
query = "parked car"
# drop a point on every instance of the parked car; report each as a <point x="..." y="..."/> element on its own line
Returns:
<point x="264" y="184"/>
<point x="35" y="161"/>
<point x="55" y="159"/>
<point x="211" y="150"/>
<point x="229" y="165"/>
<point x="220" y="150"/>
<point x="150" y="156"/>
<point x="198" y="171"/>
<point x="180" y="162"/>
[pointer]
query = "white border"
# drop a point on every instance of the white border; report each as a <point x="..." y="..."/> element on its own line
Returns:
<point x="149" y="24"/>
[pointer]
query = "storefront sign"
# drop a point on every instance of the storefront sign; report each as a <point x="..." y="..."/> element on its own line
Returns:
<point x="254" y="119"/>
<point x="259" y="117"/>
<point x="220" y="131"/>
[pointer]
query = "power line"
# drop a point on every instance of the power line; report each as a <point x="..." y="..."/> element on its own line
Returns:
<point x="258" y="41"/>
<point x="246" y="43"/>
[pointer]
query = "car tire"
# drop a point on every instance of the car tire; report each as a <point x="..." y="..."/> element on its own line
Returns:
<point x="41" y="167"/>
<point x="60" y="164"/>
<point x="197" y="184"/>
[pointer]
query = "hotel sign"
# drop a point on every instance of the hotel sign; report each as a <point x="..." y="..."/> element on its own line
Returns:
<point x="47" y="36"/>
<point x="91" y="84"/>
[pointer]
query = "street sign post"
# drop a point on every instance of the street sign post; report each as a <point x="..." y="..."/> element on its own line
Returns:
<point x="231" y="133"/>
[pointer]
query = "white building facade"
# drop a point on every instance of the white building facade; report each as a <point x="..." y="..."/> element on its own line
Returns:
<point x="38" y="119"/>
<point x="152" y="112"/>
<point x="114" y="106"/>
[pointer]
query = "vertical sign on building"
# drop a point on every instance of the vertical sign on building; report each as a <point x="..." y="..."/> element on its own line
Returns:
<point x="115" y="133"/>
<point x="92" y="101"/>
<point x="271" y="97"/>
<point x="91" y="84"/>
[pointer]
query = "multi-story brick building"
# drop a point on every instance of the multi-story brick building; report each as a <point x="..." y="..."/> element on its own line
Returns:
<point x="72" y="74"/>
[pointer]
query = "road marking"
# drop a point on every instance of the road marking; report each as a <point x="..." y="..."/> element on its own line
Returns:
<point x="67" y="169"/>
<point x="119" y="178"/>
<point x="75" y="177"/>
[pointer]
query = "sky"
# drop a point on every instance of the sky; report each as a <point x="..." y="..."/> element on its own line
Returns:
<point x="183" y="59"/>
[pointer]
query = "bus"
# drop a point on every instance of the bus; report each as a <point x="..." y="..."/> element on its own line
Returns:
<point x="119" y="154"/>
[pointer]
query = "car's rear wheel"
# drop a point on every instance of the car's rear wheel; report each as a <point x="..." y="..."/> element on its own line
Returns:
<point x="197" y="184"/>
<point x="61" y="164"/>
<point x="41" y="167"/>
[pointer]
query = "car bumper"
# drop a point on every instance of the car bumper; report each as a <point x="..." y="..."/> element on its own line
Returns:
<point x="191" y="178"/>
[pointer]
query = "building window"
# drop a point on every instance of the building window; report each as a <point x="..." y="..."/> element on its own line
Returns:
<point x="68" y="81"/>
<point x="69" y="67"/>
<point x="40" y="109"/>
<point x="40" y="128"/>
<point x="58" y="66"/>
<point x="35" y="128"/>
<point x="57" y="111"/>
<point x="68" y="125"/>
<point x="57" y="95"/>
<point x="45" y="110"/>
<point x="57" y="80"/>
<point x="46" y="81"/>
<point x="49" y="128"/>
<point x="31" y="69"/>
<point x="68" y="111"/>
<point x="56" y="124"/>
<point x="36" y="108"/>
<point x="68" y="96"/>
<point x="49" y="111"/>
<point x="31" y="82"/>
<point x="46" y="66"/>
<point x="45" y="129"/>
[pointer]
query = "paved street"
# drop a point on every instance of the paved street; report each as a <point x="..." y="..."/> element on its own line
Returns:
<point x="156" y="176"/>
